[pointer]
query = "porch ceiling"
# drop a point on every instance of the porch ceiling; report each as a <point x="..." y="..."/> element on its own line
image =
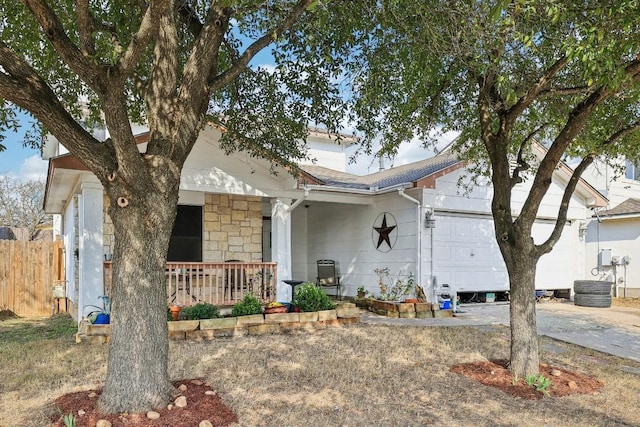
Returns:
<point x="64" y="173"/>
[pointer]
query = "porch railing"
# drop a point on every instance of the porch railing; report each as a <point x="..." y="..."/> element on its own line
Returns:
<point x="219" y="283"/>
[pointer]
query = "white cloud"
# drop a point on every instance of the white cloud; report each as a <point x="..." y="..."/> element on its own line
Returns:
<point x="408" y="152"/>
<point x="33" y="168"/>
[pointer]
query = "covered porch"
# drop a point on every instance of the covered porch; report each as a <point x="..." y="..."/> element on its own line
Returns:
<point x="217" y="283"/>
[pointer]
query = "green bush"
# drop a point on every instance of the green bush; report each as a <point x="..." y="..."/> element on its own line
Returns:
<point x="248" y="306"/>
<point x="199" y="311"/>
<point x="309" y="297"/>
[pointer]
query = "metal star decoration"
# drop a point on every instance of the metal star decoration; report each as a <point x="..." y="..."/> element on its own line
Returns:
<point x="383" y="232"/>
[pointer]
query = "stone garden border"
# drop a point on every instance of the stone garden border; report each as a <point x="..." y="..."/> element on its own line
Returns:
<point x="257" y="324"/>
<point x="404" y="310"/>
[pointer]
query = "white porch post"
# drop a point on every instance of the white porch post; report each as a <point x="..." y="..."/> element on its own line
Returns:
<point x="90" y="257"/>
<point x="281" y="245"/>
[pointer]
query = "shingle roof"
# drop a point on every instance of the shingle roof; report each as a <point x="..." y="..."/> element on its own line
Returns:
<point x="628" y="207"/>
<point x="386" y="178"/>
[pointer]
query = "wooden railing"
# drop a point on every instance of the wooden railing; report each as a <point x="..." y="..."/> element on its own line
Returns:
<point x="219" y="283"/>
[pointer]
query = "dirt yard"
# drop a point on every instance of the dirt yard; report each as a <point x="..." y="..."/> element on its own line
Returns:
<point x="356" y="376"/>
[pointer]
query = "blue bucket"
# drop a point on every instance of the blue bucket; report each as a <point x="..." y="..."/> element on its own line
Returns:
<point x="445" y="304"/>
<point x="102" y="319"/>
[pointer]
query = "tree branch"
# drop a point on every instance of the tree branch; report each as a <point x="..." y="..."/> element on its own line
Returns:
<point x="271" y="35"/>
<point x="574" y="125"/>
<point x="547" y="245"/>
<point x="146" y="32"/>
<point x="85" y="28"/>
<point x="523" y="103"/>
<point x="24" y="87"/>
<point x="563" y="91"/>
<point x="523" y="165"/>
<point x="70" y="54"/>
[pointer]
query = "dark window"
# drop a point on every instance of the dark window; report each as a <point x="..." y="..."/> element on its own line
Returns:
<point x="186" y="237"/>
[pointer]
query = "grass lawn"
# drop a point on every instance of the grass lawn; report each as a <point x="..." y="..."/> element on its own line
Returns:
<point x="362" y="375"/>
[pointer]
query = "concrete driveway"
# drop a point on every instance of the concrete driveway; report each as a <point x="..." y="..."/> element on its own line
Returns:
<point x="614" y="330"/>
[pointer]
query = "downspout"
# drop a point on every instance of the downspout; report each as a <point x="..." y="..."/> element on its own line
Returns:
<point x="297" y="202"/>
<point x="419" y="233"/>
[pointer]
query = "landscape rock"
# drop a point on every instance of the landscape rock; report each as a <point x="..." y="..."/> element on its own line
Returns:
<point x="81" y="412"/>
<point x="103" y="423"/>
<point x="153" y="415"/>
<point x="556" y="373"/>
<point x="572" y="385"/>
<point x="182" y="387"/>
<point x="196" y="382"/>
<point x="180" y="402"/>
<point x="210" y="393"/>
<point x="205" y="423"/>
<point x="92" y="394"/>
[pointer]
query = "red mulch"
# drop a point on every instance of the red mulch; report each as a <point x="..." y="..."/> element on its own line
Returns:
<point x="200" y="406"/>
<point x="496" y="374"/>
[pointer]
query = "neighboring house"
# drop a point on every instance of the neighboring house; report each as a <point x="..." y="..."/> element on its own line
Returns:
<point x="613" y="232"/>
<point x="411" y="219"/>
<point x="22" y="233"/>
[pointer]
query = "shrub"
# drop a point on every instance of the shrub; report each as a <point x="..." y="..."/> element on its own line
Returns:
<point x="199" y="311"/>
<point x="248" y="306"/>
<point x="309" y="297"/>
<point x="393" y="290"/>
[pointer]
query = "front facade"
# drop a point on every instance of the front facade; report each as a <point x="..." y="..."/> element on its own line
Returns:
<point x="411" y="219"/>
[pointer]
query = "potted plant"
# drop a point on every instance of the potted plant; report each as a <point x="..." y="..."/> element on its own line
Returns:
<point x="174" y="310"/>
<point x="275" y="307"/>
<point x="361" y="292"/>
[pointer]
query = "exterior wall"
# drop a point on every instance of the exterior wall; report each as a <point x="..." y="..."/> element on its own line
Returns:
<point x="343" y="233"/>
<point x="232" y="228"/>
<point x="109" y="238"/>
<point x="623" y="238"/>
<point x="465" y="253"/>
<point x="328" y="154"/>
<point x="612" y="183"/>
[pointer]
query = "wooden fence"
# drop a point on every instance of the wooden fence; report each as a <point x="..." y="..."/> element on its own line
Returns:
<point x="28" y="272"/>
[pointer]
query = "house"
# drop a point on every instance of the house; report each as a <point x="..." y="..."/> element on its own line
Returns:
<point x="613" y="231"/>
<point x="412" y="219"/>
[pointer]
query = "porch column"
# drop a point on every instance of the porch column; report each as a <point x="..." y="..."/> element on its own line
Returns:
<point x="90" y="257"/>
<point x="281" y="245"/>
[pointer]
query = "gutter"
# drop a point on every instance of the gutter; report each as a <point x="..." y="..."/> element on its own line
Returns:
<point x="369" y="192"/>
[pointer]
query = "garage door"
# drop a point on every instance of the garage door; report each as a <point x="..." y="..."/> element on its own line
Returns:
<point x="466" y="256"/>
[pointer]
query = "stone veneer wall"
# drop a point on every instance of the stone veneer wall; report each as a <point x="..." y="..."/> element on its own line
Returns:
<point x="232" y="228"/>
<point x="108" y="234"/>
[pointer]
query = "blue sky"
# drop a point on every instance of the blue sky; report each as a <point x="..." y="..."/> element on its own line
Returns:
<point x="26" y="163"/>
<point x="21" y="162"/>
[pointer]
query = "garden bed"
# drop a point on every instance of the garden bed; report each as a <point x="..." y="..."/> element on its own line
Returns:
<point x="257" y="324"/>
<point x="406" y="310"/>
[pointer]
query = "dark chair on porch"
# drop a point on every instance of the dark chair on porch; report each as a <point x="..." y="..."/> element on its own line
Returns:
<point x="327" y="276"/>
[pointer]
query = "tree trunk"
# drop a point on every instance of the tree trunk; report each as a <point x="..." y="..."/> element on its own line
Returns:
<point x="524" y="332"/>
<point x="137" y="375"/>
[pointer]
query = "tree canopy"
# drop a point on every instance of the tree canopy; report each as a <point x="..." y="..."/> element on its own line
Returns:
<point x="21" y="205"/>
<point x="506" y="75"/>
<point x="173" y="65"/>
